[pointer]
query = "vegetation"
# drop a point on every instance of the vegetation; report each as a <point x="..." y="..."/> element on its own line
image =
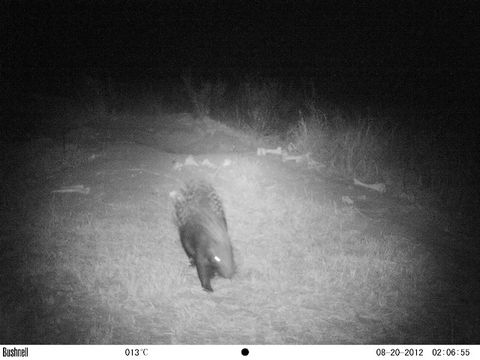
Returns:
<point x="107" y="267"/>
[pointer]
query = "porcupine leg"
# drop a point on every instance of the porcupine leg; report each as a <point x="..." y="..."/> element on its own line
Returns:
<point x="205" y="273"/>
<point x="187" y="246"/>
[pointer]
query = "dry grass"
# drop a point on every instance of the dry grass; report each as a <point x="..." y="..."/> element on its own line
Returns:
<point x="108" y="268"/>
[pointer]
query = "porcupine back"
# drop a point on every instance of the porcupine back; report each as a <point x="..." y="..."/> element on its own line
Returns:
<point x="202" y="226"/>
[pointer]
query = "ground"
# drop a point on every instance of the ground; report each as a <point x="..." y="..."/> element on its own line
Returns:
<point x="105" y="266"/>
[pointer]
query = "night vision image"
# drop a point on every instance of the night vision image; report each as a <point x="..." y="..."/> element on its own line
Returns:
<point x="208" y="172"/>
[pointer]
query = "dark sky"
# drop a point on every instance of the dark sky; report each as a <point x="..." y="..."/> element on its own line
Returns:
<point x="284" y="33"/>
<point x="434" y="43"/>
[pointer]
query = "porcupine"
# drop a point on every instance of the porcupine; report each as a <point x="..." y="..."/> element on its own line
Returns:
<point x="201" y="222"/>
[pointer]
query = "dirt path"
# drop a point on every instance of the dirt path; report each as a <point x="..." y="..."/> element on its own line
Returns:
<point x="107" y="267"/>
